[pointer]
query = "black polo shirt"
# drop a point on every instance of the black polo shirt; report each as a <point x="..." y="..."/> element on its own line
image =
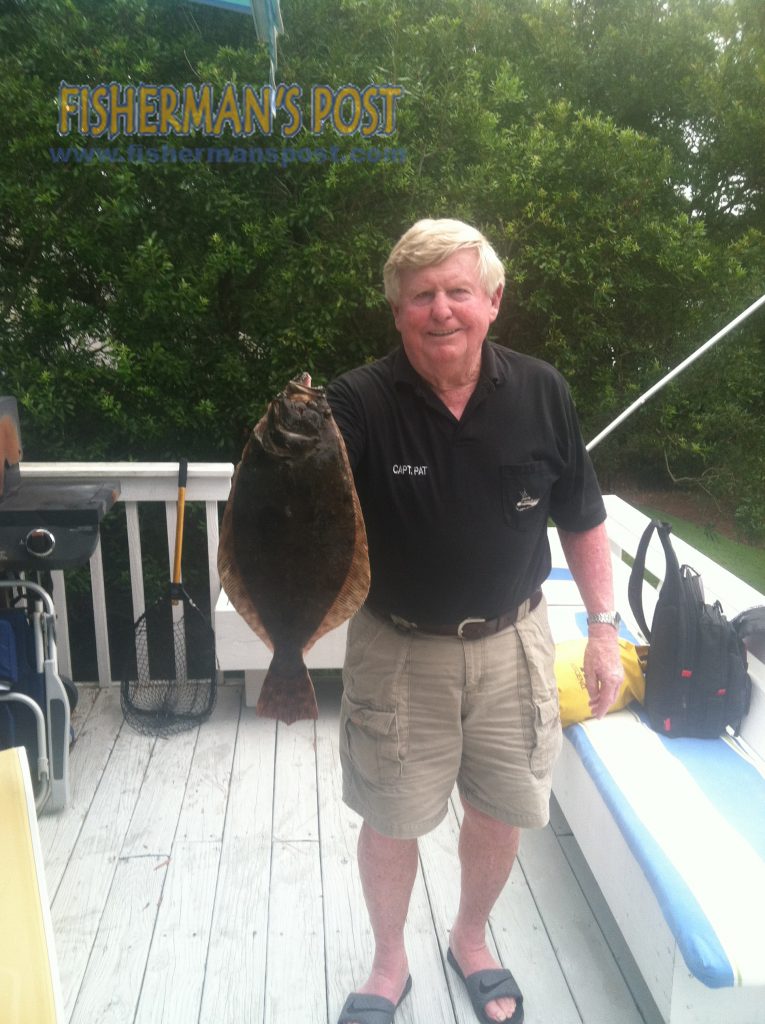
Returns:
<point x="456" y="510"/>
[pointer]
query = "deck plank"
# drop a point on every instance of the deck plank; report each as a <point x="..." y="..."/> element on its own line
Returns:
<point x="204" y="803"/>
<point x="593" y="976"/>
<point x="348" y="937"/>
<point x="155" y="819"/>
<point x="97" y="723"/>
<point x="295" y="974"/>
<point x="648" y="1011"/>
<point x="175" y="972"/>
<point x="86" y="882"/>
<point x="112" y="983"/>
<point x="234" y="988"/>
<point x="296" y="815"/>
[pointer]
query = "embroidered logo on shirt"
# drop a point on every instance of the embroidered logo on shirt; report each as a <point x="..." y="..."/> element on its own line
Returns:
<point x="526" y="502"/>
<point x="410" y="470"/>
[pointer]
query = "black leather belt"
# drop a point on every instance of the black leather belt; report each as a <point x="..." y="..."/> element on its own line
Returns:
<point x="468" y="629"/>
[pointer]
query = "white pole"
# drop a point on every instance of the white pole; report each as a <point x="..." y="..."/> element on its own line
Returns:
<point x="677" y="370"/>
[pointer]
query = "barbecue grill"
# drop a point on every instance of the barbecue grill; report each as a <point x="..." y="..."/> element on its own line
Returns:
<point x="46" y="523"/>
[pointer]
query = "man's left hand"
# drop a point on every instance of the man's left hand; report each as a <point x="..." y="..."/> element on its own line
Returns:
<point x="603" y="671"/>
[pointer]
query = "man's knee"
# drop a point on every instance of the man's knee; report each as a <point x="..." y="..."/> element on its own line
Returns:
<point x="372" y="840"/>
<point x="486" y="823"/>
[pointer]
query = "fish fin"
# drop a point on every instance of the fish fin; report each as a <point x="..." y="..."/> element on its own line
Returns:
<point x="356" y="586"/>
<point x="230" y="578"/>
<point x="289" y="697"/>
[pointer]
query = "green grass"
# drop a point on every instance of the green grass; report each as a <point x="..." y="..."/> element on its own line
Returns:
<point x="743" y="560"/>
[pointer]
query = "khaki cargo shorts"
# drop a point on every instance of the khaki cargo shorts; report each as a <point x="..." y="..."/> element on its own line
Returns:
<point x="420" y="712"/>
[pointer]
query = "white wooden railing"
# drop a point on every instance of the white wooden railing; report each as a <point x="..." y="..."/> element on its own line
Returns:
<point x="208" y="482"/>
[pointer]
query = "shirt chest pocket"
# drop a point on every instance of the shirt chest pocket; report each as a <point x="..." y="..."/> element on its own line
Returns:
<point x="526" y="494"/>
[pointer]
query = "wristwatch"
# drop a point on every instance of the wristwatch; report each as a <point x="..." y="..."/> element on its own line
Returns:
<point x="607" y="618"/>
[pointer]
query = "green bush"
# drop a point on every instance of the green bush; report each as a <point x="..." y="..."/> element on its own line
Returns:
<point x="608" y="151"/>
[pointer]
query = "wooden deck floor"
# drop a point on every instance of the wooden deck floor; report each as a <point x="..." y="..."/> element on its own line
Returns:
<point x="211" y="878"/>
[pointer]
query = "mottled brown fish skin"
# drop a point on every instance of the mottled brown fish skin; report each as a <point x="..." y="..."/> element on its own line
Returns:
<point x="293" y="553"/>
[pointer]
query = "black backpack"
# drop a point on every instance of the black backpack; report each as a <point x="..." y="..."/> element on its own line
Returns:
<point x="696" y="680"/>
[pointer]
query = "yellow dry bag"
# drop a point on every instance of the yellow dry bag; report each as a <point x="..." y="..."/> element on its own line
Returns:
<point x="572" y="693"/>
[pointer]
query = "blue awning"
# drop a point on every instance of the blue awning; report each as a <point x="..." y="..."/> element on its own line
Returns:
<point x="267" y="16"/>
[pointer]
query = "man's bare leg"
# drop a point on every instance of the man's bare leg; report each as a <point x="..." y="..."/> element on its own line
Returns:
<point x="388" y="868"/>
<point x="487" y="850"/>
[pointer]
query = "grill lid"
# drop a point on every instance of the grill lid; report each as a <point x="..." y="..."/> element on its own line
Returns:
<point x="49" y="523"/>
<point x="45" y="522"/>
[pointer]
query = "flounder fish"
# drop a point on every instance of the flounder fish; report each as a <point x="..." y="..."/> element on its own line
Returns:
<point x="293" y="555"/>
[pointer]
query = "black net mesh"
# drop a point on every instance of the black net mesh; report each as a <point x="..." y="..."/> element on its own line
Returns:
<point x="170" y="682"/>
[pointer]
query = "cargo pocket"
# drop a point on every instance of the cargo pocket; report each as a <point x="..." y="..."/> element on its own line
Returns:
<point x="370" y="738"/>
<point x="526" y="494"/>
<point x="545" y="734"/>
<point x="547" y="737"/>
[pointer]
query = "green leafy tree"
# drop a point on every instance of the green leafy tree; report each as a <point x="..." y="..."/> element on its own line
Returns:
<point x="611" y="149"/>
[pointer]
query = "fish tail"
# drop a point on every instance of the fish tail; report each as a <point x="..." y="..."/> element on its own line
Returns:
<point x="288" y="696"/>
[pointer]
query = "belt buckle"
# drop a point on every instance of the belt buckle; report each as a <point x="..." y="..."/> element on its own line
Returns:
<point x="466" y="622"/>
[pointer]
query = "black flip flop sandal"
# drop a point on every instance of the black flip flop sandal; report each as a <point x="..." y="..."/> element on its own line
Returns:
<point x="484" y="986"/>
<point x="367" y="1009"/>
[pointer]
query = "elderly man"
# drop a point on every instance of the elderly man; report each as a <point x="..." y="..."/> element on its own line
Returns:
<point x="460" y="449"/>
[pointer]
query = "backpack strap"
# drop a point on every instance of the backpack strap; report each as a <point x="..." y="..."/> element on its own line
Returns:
<point x="637" y="582"/>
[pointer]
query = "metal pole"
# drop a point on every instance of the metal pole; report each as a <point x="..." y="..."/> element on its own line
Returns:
<point x="674" y="373"/>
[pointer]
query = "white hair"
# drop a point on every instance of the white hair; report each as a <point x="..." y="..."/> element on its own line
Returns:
<point x="430" y="242"/>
